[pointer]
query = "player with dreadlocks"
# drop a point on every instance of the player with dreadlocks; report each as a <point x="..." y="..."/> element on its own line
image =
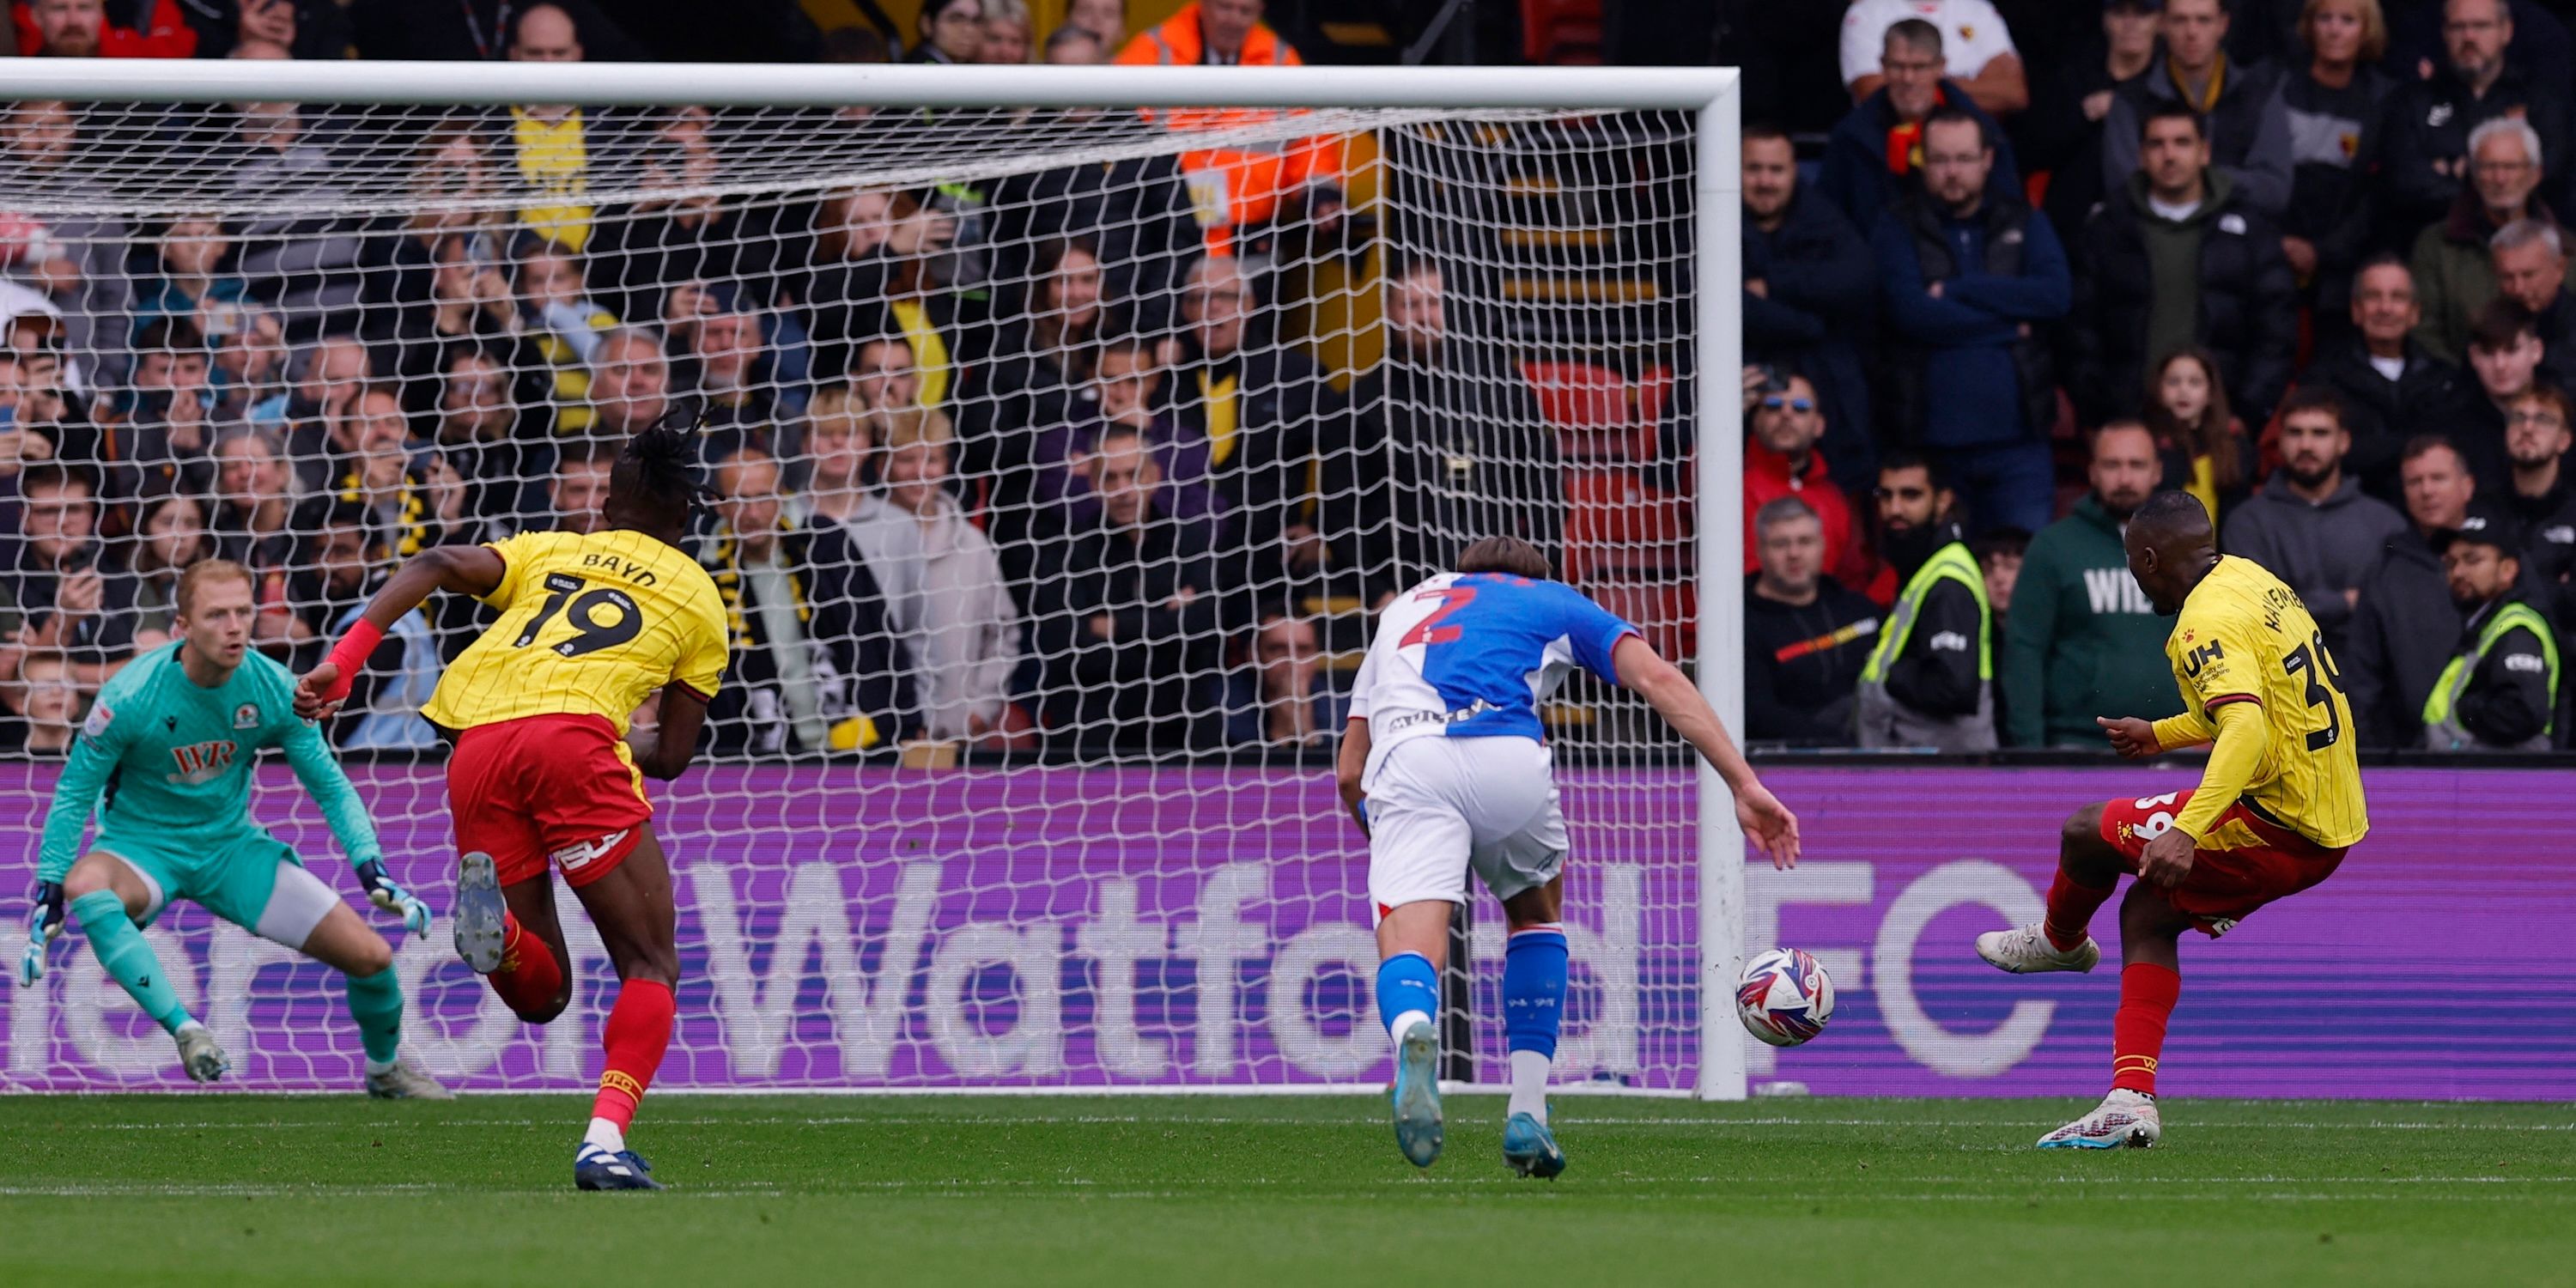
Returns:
<point x="545" y="767"/>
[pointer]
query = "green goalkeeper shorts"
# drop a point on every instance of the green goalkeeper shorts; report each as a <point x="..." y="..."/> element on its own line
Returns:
<point x="250" y="879"/>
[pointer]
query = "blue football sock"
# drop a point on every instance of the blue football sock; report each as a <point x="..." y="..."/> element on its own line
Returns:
<point x="130" y="960"/>
<point x="376" y="1003"/>
<point x="1406" y="985"/>
<point x="1533" y="1009"/>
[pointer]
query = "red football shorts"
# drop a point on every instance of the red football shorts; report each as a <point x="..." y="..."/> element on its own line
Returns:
<point x="2258" y="860"/>
<point x="546" y="787"/>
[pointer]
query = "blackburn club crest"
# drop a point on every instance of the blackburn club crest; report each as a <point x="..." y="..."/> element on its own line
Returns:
<point x="246" y="716"/>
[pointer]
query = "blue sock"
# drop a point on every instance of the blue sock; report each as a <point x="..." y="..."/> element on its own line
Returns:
<point x="129" y="960"/>
<point x="376" y="1003"/>
<point x="1406" y="985"/>
<point x="1533" y="1010"/>
<point x="1534" y="989"/>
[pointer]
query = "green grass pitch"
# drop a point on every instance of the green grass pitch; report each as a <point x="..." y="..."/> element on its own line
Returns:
<point x="770" y="1192"/>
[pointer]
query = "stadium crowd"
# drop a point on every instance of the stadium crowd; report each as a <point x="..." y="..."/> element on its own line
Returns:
<point x="2302" y="259"/>
<point x="1028" y="463"/>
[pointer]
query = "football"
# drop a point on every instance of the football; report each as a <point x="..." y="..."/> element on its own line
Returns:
<point x="1784" y="997"/>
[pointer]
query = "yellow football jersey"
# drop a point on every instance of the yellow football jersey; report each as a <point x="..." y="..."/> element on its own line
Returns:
<point x="591" y="624"/>
<point x="2244" y="637"/>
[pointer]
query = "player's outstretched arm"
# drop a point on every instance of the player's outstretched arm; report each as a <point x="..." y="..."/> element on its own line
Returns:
<point x="465" y="570"/>
<point x="330" y="788"/>
<point x="1766" y="821"/>
<point x="664" y="748"/>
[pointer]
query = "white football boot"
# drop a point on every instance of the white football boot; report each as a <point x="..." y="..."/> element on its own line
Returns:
<point x="2124" y="1117"/>
<point x="2025" y="950"/>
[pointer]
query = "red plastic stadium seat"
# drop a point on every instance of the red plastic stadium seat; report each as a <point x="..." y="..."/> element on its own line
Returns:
<point x="1616" y="522"/>
<point x="1561" y="32"/>
<point x="1665" y="612"/>
<point x="1594" y="409"/>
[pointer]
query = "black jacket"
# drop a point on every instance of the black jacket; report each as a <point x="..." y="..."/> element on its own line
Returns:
<point x="2402" y="634"/>
<point x="1816" y="320"/>
<point x="1440" y="453"/>
<point x="1136" y="213"/>
<point x="2331" y="138"/>
<point x="1800" y="669"/>
<point x="2053" y="135"/>
<point x="1137" y="688"/>
<point x="859" y="667"/>
<point x="2548" y="550"/>
<point x="2428" y="396"/>
<point x="2426" y="121"/>
<point x="2248" y="305"/>
<point x="1284" y="411"/>
<point x="2508" y="699"/>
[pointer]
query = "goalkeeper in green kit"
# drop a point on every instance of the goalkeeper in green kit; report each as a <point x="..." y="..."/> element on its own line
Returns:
<point x="170" y="742"/>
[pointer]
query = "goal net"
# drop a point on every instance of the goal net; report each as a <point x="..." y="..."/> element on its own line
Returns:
<point x="1059" y="458"/>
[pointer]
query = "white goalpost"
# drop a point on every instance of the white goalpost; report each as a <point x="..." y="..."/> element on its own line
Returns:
<point x="1065" y="427"/>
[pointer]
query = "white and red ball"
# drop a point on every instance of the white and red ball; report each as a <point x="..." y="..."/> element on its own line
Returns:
<point x="1784" y="997"/>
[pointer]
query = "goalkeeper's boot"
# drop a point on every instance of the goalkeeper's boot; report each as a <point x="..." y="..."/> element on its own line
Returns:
<point x="1529" y="1148"/>
<point x="481" y="916"/>
<point x="597" y="1169"/>
<point x="2124" y="1118"/>
<point x="1417" y="1094"/>
<point x="2025" y="950"/>
<point x="200" y="1054"/>
<point x="406" y="1081"/>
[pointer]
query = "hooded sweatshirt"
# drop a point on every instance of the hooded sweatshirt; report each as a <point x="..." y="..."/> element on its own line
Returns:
<point x="2320" y="548"/>
<point x="2082" y="640"/>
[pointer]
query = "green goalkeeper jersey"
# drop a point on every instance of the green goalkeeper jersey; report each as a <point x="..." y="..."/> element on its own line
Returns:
<point x="174" y="760"/>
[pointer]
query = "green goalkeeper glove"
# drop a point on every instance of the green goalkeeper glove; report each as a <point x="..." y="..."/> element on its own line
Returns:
<point x="382" y="892"/>
<point x="43" y="923"/>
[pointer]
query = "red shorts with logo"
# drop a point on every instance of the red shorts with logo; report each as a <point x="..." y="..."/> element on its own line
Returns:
<point x="546" y="787"/>
<point x="2259" y="860"/>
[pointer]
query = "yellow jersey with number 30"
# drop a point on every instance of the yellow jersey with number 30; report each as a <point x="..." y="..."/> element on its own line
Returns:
<point x="591" y="624"/>
<point x="2244" y="637"/>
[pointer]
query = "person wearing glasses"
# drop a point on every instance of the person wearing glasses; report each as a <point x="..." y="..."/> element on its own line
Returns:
<point x="1875" y="155"/>
<point x="1930" y="681"/>
<point x="2454" y="277"/>
<point x="2427" y="128"/>
<point x="2537" y="437"/>
<point x="1972" y="281"/>
<point x="1781" y="459"/>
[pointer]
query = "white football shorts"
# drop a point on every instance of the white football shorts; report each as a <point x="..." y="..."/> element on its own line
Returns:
<point x="1440" y="806"/>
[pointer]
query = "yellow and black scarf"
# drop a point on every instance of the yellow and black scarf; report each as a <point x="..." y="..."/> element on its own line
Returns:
<point x="725" y="568"/>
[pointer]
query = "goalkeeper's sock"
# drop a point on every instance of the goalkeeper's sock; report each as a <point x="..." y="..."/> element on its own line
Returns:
<point x="129" y="959"/>
<point x="1408" y="993"/>
<point x="2147" y="996"/>
<point x="1533" y="1009"/>
<point x="2071" y="906"/>
<point x="529" y="974"/>
<point x="639" y="1031"/>
<point x="376" y="1003"/>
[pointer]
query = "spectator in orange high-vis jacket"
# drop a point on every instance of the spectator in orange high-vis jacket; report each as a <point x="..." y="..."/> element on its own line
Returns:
<point x="1239" y="190"/>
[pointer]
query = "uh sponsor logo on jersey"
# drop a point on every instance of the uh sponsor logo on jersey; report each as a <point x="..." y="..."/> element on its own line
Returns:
<point x="2199" y="659"/>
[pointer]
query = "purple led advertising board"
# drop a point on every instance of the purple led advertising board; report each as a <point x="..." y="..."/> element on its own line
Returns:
<point x="845" y="927"/>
